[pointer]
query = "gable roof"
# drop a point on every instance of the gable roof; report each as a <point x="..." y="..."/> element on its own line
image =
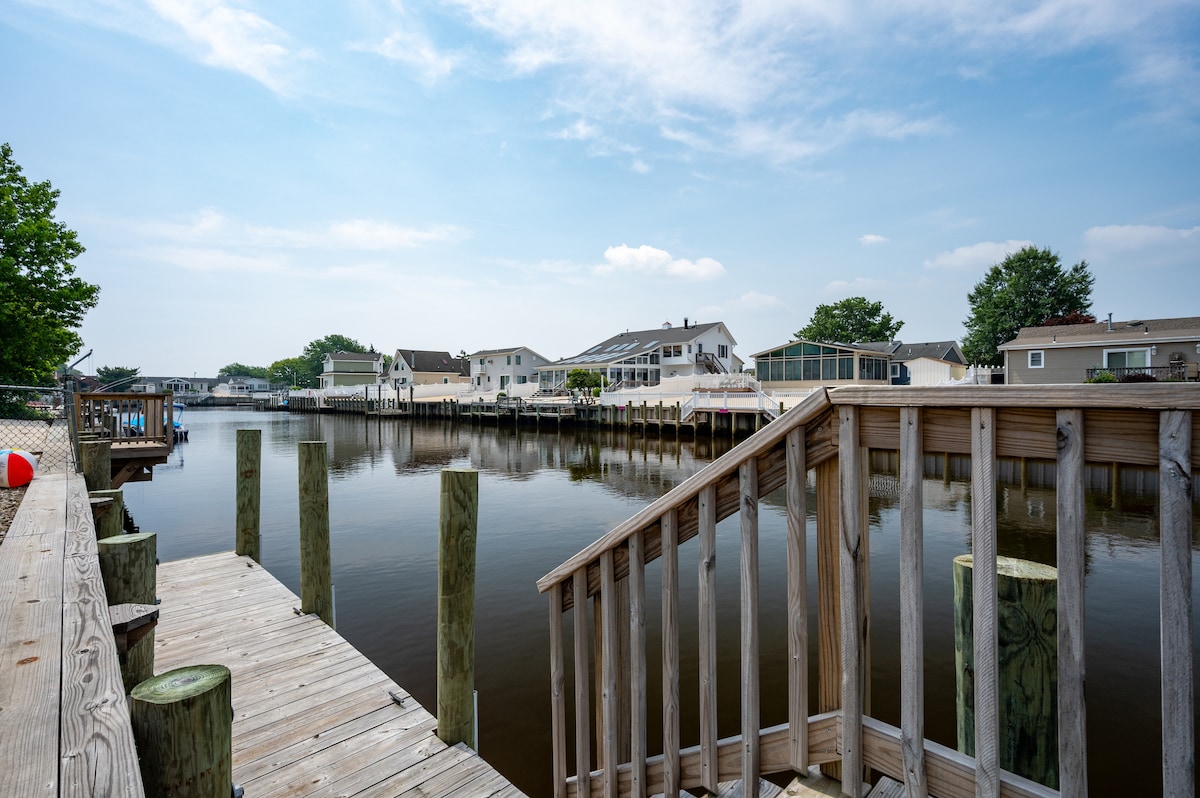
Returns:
<point x="938" y="350"/>
<point x="879" y="347"/>
<point x="1137" y="331"/>
<point x="353" y="356"/>
<point x="429" y="361"/>
<point x="623" y="345"/>
<point x="509" y="351"/>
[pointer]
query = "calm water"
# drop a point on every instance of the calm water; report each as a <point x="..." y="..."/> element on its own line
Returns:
<point x="544" y="496"/>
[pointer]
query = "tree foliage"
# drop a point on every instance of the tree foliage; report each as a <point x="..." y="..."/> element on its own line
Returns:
<point x="851" y="320"/>
<point x="582" y="378"/>
<point x="242" y="370"/>
<point x="290" y="371"/>
<point x="41" y="303"/>
<point x="315" y="351"/>
<point x="116" y="378"/>
<point x="1024" y="290"/>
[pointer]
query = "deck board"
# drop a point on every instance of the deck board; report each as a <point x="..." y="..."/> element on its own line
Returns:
<point x="312" y="715"/>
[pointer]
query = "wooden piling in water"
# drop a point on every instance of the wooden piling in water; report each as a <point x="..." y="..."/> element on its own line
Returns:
<point x="97" y="464"/>
<point x="457" y="531"/>
<point x="183" y="725"/>
<point x="249" y="493"/>
<point x="316" y="577"/>
<point x="127" y="566"/>
<point x="1028" y="669"/>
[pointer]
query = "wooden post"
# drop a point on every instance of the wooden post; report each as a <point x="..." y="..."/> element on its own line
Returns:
<point x="112" y="522"/>
<point x="183" y="726"/>
<point x="316" y="578"/>
<point x="1028" y="675"/>
<point x="249" y="493"/>
<point x="457" y="530"/>
<point x="97" y="464"/>
<point x="829" y="633"/>
<point x="127" y="565"/>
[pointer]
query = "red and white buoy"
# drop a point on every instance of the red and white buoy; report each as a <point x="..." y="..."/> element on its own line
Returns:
<point x="17" y="468"/>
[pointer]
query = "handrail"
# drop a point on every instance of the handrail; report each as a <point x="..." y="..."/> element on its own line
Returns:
<point x="827" y="433"/>
<point x="126" y="416"/>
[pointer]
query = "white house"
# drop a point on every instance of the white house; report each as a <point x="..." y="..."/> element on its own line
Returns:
<point x="500" y="369"/>
<point x="646" y="357"/>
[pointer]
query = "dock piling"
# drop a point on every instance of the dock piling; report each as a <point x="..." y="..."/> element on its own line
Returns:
<point x="457" y="532"/>
<point x="249" y="493"/>
<point x="112" y="521"/>
<point x="316" y="578"/>
<point x="127" y="566"/>
<point x="96" y="457"/>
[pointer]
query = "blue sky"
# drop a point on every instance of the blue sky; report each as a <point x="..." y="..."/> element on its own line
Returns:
<point x="250" y="176"/>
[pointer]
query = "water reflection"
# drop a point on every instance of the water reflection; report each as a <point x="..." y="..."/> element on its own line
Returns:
<point x="545" y="496"/>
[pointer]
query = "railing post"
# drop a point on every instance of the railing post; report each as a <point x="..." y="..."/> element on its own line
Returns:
<point x="97" y="464"/>
<point x="249" y="459"/>
<point x="316" y="578"/>
<point x="127" y="566"/>
<point x="457" y="531"/>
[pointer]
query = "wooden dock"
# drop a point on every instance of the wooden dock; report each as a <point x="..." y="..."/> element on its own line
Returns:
<point x="312" y="716"/>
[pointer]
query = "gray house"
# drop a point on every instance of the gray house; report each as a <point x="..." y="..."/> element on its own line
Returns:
<point x="426" y="367"/>
<point x="1163" y="349"/>
<point x="922" y="364"/>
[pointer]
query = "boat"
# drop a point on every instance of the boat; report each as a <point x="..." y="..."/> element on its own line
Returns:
<point x="137" y="424"/>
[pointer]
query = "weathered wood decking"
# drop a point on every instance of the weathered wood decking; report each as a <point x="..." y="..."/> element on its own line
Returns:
<point x="312" y="716"/>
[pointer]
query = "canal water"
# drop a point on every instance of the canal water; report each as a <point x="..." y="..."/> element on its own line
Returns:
<point x="546" y="495"/>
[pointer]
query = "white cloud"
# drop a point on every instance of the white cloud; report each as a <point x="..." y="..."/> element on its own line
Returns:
<point x="200" y="259"/>
<point x="579" y="130"/>
<point x="649" y="260"/>
<point x="859" y="286"/>
<point x="975" y="256"/>
<point x="1142" y="246"/>
<point x="753" y="300"/>
<point x="639" y="166"/>
<point x="871" y="239"/>
<point x="414" y="49"/>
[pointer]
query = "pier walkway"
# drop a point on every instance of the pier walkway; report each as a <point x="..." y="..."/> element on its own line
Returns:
<point x="312" y="716"/>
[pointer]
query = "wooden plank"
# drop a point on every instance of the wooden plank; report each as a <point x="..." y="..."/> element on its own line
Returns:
<point x="797" y="598"/>
<point x="98" y="755"/>
<point x="558" y="700"/>
<point x="1153" y="396"/>
<point x="610" y="752"/>
<point x="849" y="458"/>
<point x="1175" y="591"/>
<point x="829" y="635"/>
<point x="1072" y="564"/>
<point x="912" y="604"/>
<point x="748" y="477"/>
<point x="986" y="631"/>
<point x="637" y="665"/>
<point x="583" y="726"/>
<point x="707" y="642"/>
<point x="670" y="655"/>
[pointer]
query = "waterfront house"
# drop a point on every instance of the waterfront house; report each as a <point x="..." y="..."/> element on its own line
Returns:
<point x="241" y="386"/>
<point x="498" y="369"/>
<point x="802" y="365"/>
<point x="351" y="368"/>
<point x="423" y="367"/>
<point x="1162" y="349"/>
<point x="646" y="357"/>
<point x="930" y="363"/>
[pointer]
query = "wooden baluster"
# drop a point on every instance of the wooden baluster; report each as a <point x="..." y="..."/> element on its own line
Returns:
<point x="850" y="567"/>
<point x="748" y="486"/>
<point x="912" y="603"/>
<point x="986" y="604"/>
<point x="829" y="613"/>
<point x="583" y="725"/>
<point x="610" y="756"/>
<point x="637" y="663"/>
<point x="558" y="704"/>
<point x="670" y="653"/>
<point x="707" y="512"/>
<point x="1071" y="557"/>
<point x="797" y="598"/>
<point x="1175" y="598"/>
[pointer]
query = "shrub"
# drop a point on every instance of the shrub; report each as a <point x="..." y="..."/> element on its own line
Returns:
<point x="1102" y="376"/>
<point x="1138" y="377"/>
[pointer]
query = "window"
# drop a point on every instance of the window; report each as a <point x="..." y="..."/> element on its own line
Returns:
<point x="518" y="360"/>
<point x="722" y="351"/>
<point x="1126" y="358"/>
<point x="508" y="360"/>
<point x="1037" y="359"/>
<point x="445" y="380"/>
<point x="481" y="361"/>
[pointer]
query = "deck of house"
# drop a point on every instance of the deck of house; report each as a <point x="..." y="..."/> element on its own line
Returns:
<point x="312" y="716"/>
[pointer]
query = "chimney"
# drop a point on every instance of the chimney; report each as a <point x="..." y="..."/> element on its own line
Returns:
<point x="685" y="321"/>
<point x="1110" y="322"/>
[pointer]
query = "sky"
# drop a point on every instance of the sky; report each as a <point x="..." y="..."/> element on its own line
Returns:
<point x="482" y="174"/>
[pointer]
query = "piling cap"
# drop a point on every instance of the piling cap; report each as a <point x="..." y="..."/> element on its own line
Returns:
<point x="1015" y="568"/>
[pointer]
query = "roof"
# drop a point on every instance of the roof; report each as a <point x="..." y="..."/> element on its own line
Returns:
<point x="344" y="355"/>
<point x="1099" y="333"/>
<point x="510" y="350"/>
<point x="623" y="345"/>
<point x="938" y="350"/>
<point x="428" y="361"/>
<point x="874" y="348"/>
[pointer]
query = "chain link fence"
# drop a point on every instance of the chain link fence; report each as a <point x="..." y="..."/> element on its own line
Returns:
<point x="39" y="421"/>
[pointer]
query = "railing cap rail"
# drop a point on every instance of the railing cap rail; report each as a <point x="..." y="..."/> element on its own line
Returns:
<point x="1140" y="396"/>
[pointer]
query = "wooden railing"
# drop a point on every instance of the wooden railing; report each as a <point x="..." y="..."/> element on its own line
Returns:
<point x="829" y="433"/>
<point x="146" y="417"/>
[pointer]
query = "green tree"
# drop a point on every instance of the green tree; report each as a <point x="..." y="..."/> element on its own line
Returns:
<point x="582" y="378"/>
<point x="853" y="319"/>
<point x="289" y="371"/>
<point x="1024" y="290"/>
<point x="116" y="378"/>
<point x="315" y="351"/>
<point x="41" y="303"/>
<point x="242" y="370"/>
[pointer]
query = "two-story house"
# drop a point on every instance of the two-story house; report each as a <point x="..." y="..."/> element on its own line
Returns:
<point x="425" y="367"/>
<point x="646" y="357"/>
<point x="351" y="368"/>
<point x="500" y="369"/>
